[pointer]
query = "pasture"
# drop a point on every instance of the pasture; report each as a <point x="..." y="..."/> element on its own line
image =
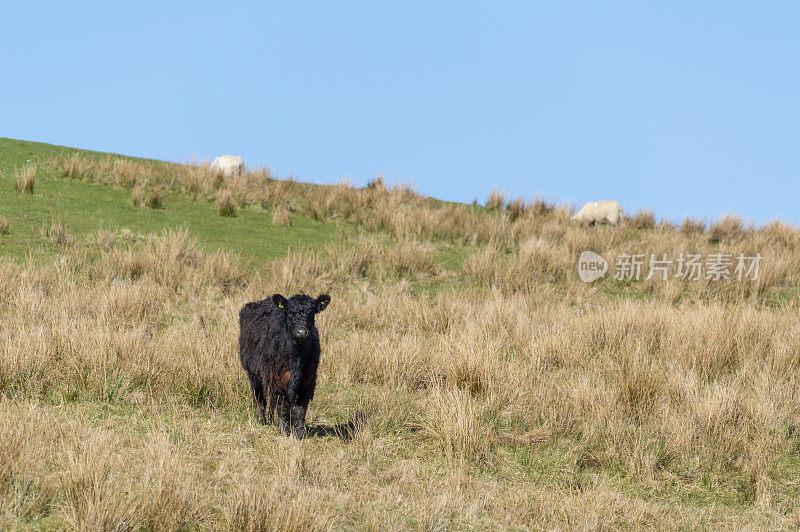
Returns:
<point x="498" y="390"/>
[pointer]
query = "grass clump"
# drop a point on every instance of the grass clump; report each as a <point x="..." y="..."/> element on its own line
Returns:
<point x="691" y="226"/>
<point x="728" y="228"/>
<point x="25" y="178"/>
<point x="643" y="219"/>
<point x="496" y="201"/>
<point x="57" y="234"/>
<point x="377" y="184"/>
<point x="280" y="216"/>
<point x="224" y="203"/>
<point x="148" y="196"/>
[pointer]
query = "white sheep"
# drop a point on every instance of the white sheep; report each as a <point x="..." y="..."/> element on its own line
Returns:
<point x="228" y="165"/>
<point x="599" y="212"/>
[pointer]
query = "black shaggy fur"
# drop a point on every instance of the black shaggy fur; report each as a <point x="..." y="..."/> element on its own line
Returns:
<point x="279" y="350"/>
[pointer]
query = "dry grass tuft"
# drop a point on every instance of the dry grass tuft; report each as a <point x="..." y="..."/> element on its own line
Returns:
<point x="167" y="498"/>
<point x="691" y="226"/>
<point x="4" y="225"/>
<point x="643" y="219"/>
<point x="496" y="200"/>
<point x="729" y="228"/>
<point x="225" y="204"/>
<point x="25" y="178"/>
<point x="541" y="207"/>
<point x="259" y="509"/>
<point x="281" y="216"/>
<point x="148" y="196"/>
<point x="74" y="165"/>
<point x="57" y="233"/>
<point x="377" y="184"/>
<point x="457" y="427"/>
<point x="517" y="208"/>
<point x="90" y="494"/>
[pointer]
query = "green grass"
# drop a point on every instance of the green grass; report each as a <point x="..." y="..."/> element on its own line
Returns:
<point x="87" y="207"/>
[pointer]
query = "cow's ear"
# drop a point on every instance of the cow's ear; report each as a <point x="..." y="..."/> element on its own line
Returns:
<point x="279" y="301"/>
<point x="322" y="302"/>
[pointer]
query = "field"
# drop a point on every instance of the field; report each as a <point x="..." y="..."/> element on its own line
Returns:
<point x="499" y="391"/>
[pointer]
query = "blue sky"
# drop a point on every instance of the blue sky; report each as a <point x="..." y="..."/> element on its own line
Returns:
<point x="682" y="107"/>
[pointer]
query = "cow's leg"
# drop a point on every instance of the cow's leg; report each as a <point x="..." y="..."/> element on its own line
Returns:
<point x="298" y="413"/>
<point x="299" y="395"/>
<point x="298" y="420"/>
<point x="258" y="397"/>
<point x="285" y="413"/>
<point x="273" y="398"/>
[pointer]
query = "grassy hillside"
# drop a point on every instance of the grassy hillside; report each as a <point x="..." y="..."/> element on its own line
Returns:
<point x="499" y="390"/>
<point x="85" y="207"/>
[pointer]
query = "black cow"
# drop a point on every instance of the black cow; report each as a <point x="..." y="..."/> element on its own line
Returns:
<point x="279" y="350"/>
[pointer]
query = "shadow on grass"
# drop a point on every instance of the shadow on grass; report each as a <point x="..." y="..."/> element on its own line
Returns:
<point x="343" y="431"/>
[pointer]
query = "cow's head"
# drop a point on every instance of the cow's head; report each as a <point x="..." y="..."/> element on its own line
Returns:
<point x="300" y="311"/>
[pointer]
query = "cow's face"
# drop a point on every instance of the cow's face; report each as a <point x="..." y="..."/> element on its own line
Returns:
<point x="300" y="311"/>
